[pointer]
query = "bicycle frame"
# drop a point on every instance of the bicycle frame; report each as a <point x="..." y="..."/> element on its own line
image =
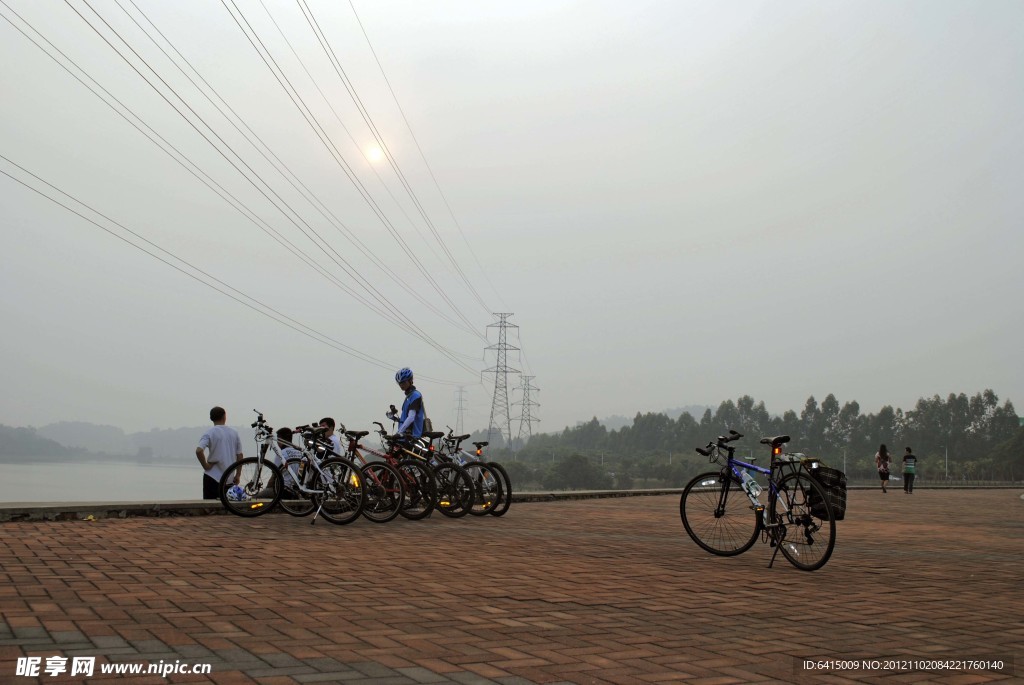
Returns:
<point x="735" y="465"/>
<point x="355" y="450"/>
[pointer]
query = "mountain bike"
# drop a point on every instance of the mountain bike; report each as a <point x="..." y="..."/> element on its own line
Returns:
<point x="494" y="489"/>
<point x="419" y="494"/>
<point x="453" y="487"/>
<point x="473" y="487"/>
<point x="722" y="512"/>
<point x="382" y="482"/>
<point x="255" y="485"/>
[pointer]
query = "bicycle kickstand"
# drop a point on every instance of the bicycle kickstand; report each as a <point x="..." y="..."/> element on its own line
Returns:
<point x="777" y="545"/>
<point x="317" y="512"/>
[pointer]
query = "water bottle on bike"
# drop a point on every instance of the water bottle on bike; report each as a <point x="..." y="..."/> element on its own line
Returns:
<point x="750" y="485"/>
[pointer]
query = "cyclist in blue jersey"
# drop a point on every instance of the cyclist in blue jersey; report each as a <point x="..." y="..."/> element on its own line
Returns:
<point x="410" y="422"/>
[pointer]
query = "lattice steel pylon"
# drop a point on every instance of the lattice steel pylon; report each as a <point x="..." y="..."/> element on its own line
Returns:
<point x="501" y="370"/>
<point x="460" y="408"/>
<point x="526" y="417"/>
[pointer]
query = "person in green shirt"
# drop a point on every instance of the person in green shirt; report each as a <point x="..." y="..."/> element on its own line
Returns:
<point x="909" y="471"/>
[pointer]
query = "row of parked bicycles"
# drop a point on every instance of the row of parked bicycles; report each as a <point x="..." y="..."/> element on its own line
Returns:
<point x="406" y="477"/>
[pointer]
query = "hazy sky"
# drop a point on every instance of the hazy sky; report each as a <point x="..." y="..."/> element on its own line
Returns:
<point x="680" y="202"/>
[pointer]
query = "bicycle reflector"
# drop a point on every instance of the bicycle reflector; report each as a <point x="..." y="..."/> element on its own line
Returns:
<point x="479" y="451"/>
<point x="776" y="451"/>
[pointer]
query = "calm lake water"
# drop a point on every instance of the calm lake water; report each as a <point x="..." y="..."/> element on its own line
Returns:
<point x="101" y="481"/>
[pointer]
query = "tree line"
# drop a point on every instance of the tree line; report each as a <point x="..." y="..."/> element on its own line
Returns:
<point x="973" y="435"/>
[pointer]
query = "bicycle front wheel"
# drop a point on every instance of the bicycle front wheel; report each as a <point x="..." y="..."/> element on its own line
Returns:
<point x="293" y="500"/>
<point x="384" y="491"/>
<point x="250" y="487"/>
<point x="718" y="518"/>
<point x="801" y="522"/>
<point x="341" y="493"/>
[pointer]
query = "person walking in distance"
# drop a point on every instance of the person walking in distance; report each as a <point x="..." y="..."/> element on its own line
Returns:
<point x="225" y="448"/>
<point x="882" y="461"/>
<point x="909" y="471"/>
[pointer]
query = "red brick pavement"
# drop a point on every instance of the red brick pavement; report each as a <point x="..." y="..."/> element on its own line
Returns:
<point x="592" y="591"/>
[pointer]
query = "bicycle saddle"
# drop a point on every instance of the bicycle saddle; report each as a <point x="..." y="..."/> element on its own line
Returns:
<point x="434" y="435"/>
<point x="356" y="434"/>
<point x="478" y="445"/>
<point x="779" y="440"/>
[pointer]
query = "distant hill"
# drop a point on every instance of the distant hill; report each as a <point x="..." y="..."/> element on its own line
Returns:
<point x="618" y="422"/>
<point x="180" y="443"/>
<point x="73" y="437"/>
<point x="158" y="443"/>
<point x="26" y="442"/>
<point x="88" y="436"/>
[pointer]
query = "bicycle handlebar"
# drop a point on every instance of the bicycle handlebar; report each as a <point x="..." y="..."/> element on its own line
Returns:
<point x="721" y="443"/>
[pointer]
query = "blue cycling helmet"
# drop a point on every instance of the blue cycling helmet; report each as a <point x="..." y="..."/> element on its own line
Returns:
<point x="403" y="375"/>
<point x="236" y="494"/>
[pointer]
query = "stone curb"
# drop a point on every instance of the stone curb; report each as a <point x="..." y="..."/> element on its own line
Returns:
<point x="76" y="511"/>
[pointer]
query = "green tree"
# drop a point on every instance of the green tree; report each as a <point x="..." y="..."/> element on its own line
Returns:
<point x="575" y="472"/>
<point x="811" y="426"/>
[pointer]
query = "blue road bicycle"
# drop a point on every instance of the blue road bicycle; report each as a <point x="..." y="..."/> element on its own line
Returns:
<point x="723" y="513"/>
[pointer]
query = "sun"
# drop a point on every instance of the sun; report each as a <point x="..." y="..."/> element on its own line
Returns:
<point x="374" y="154"/>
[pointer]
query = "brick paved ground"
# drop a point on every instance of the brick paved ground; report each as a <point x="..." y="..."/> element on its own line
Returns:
<point x="587" y="591"/>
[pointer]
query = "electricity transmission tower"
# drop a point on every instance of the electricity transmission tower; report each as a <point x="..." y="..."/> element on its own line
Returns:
<point x="501" y="421"/>
<point x="526" y="417"/>
<point x="460" y="408"/>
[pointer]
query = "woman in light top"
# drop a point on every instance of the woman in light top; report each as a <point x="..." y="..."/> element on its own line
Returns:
<point x="882" y="461"/>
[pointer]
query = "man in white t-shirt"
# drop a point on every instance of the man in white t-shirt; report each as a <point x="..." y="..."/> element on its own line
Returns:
<point x="328" y="423"/>
<point x="225" y="448"/>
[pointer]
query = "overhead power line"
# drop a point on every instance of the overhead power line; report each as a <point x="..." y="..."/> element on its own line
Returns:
<point x="332" y="56"/>
<point x="321" y="133"/>
<point x="186" y="268"/>
<point x="268" y="154"/>
<point x="423" y="156"/>
<point x="384" y="307"/>
<point x="192" y="271"/>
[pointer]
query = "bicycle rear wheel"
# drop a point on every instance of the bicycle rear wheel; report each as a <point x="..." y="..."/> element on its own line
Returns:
<point x="801" y="522"/>
<point x="341" y="493"/>
<point x="250" y="487"/>
<point x="420" y="493"/>
<point x="454" y="490"/>
<point x="719" y="519"/>
<point x="487" y="489"/>
<point x="506" y="490"/>
<point x="384" y="491"/>
<point x="293" y="500"/>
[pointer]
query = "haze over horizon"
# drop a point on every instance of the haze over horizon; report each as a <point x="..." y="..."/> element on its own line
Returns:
<point x="680" y="202"/>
